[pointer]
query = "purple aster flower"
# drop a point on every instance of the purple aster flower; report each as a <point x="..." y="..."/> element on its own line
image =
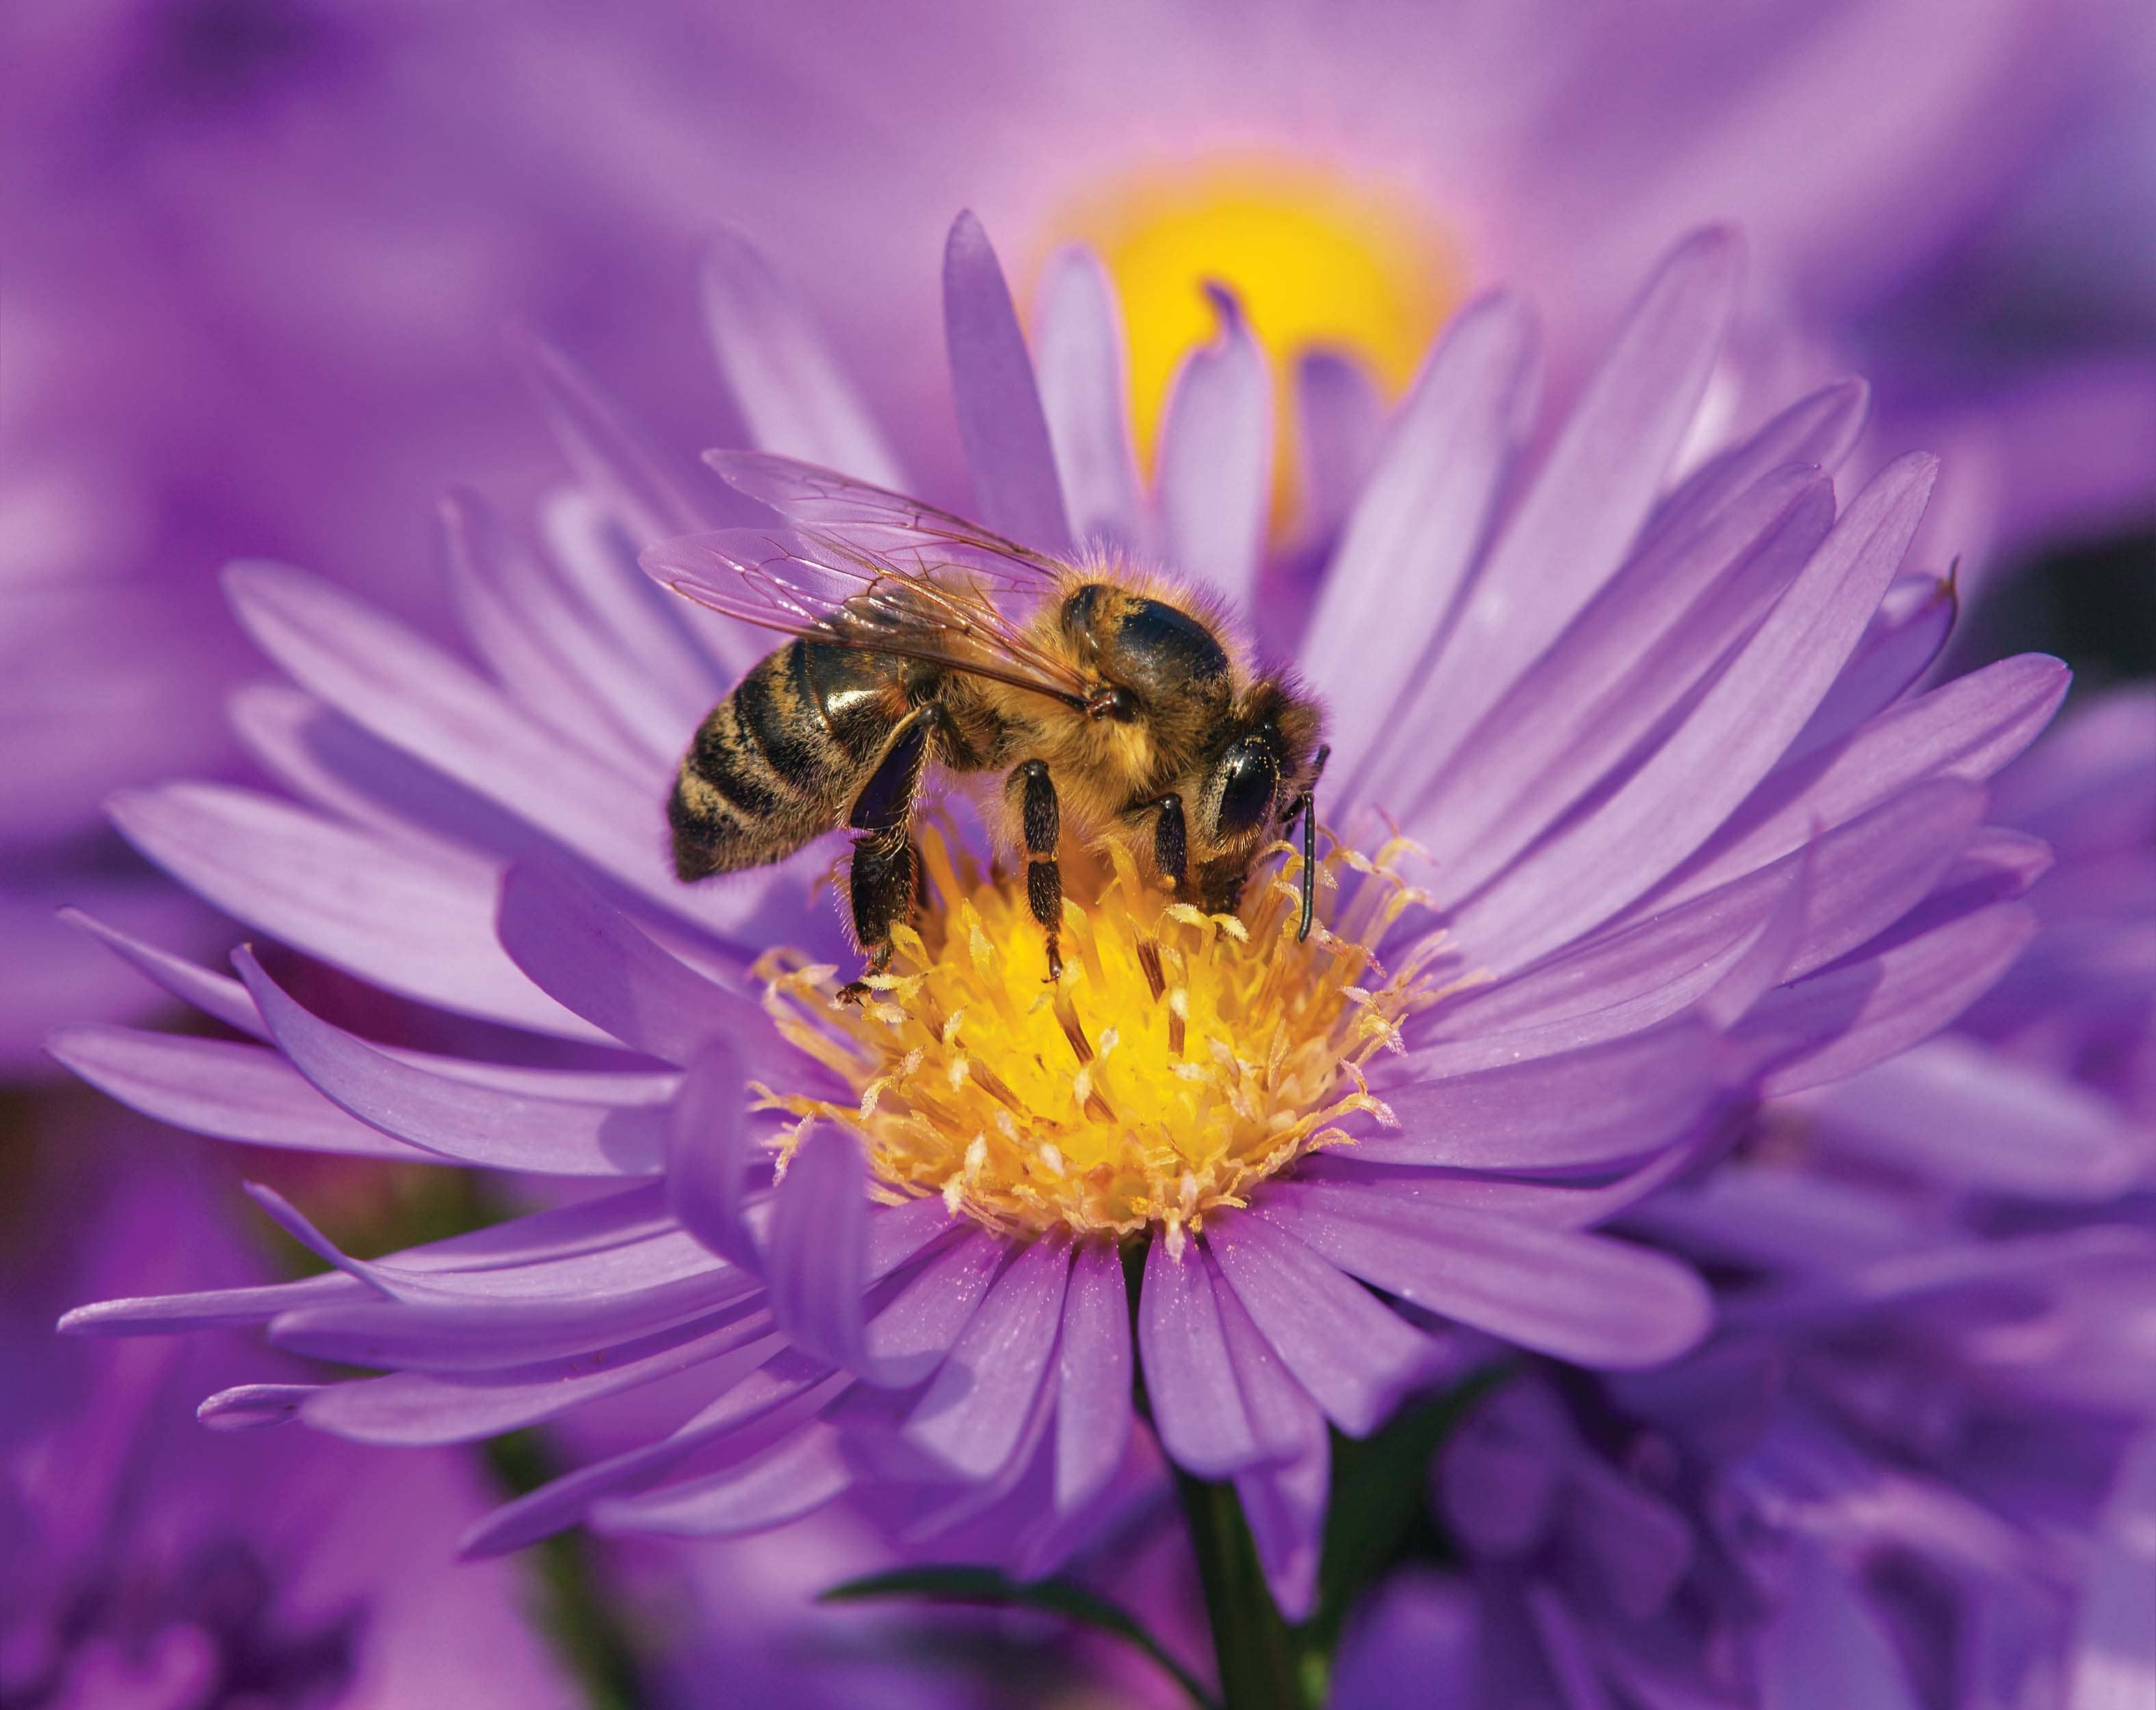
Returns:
<point x="147" y="1564"/>
<point x="1668" y="828"/>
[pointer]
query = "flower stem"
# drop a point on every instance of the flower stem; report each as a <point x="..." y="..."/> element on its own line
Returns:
<point x="1263" y="1665"/>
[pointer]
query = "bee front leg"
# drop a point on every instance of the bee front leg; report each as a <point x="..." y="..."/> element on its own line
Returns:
<point x="1041" y="822"/>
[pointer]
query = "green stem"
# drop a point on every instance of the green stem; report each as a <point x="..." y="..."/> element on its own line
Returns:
<point x="1263" y="1665"/>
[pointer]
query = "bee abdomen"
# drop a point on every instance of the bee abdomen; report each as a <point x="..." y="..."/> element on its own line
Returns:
<point x="768" y="770"/>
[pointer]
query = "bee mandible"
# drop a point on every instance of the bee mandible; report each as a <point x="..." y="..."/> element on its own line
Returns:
<point x="1115" y="705"/>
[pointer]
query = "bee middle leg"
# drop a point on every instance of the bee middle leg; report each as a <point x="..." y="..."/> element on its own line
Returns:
<point x="1041" y="822"/>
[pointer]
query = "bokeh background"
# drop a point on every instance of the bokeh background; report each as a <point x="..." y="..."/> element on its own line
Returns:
<point x="270" y="271"/>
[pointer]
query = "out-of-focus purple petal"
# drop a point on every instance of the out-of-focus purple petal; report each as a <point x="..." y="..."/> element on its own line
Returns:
<point x="1584" y="1298"/>
<point x="1079" y="350"/>
<point x="570" y="940"/>
<point x="1356" y="1359"/>
<point x="1340" y="428"/>
<point x="1595" y="490"/>
<point x="1196" y="1406"/>
<point x="792" y="1478"/>
<point x="1000" y="422"/>
<point x="1093" y="1411"/>
<point x="1824" y="1649"/>
<point x="1725" y="745"/>
<point x="214" y="1087"/>
<point x="1418" y="1626"/>
<point x="609" y="456"/>
<point x="791" y="391"/>
<point x="1636" y="1544"/>
<point x="976" y="1409"/>
<point x="1956" y="1111"/>
<point x="1412" y="534"/>
<point x="1608" y="1102"/>
<point x="1216" y="440"/>
<point x="407" y="923"/>
<point x="707" y="1154"/>
<point x="1499" y="1476"/>
<point x="488" y="1126"/>
<point x="2114" y="1657"/>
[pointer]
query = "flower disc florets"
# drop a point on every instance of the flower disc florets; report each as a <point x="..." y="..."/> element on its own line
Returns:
<point x="1183" y="1059"/>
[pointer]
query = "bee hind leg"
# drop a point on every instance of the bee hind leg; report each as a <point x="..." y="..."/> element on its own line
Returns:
<point x="885" y="881"/>
<point x="1041" y="820"/>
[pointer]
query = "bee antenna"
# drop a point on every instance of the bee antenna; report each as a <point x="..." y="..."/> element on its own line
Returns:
<point x="1309" y="863"/>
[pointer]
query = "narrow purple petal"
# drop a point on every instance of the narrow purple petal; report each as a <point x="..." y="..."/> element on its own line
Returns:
<point x="707" y="1156"/>
<point x="816" y="1258"/>
<point x="907" y="1338"/>
<point x="206" y="1309"/>
<point x="1355" y="1356"/>
<point x="1772" y="955"/>
<point x="1000" y="422"/>
<point x="1197" y="1407"/>
<point x="1906" y="636"/>
<point x="1284" y="1506"/>
<point x="1093" y="1411"/>
<point x="975" y="1412"/>
<point x="1581" y="1297"/>
<point x="1281" y="1413"/>
<point x="473" y="1124"/>
<point x="1967" y="729"/>
<point x="248" y="1407"/>
<point x="1726" y="744"/>
<point x="1816" y="432"/>
<point x="409" y="922"/>
<point x="217" y="995"/>
<point x="415" y="696"/>
<point x="610" y="458"/>
<point x="792" y="391"/>
<point x="1862" y="1012"/>
<point x="213" y="1087"/>
<point x="1079" y="352"/>
<point x="536" y="633"/>
<point x="1865" y="875"/>
<point x="1595" y="490"/>
<point x="793" y="1477"/>
<point x="1216" y="443"/>
<point x="1608" y="1102"/>
<point x="503" y="605"/>
<point x="415" y="1408"/>
<point x="1658" y="629"/>
<point x="575" y="945"/>
<point x="1418" y="523"/>
<point x="761" y="1409"/>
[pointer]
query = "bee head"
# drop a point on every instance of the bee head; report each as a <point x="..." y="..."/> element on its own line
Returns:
<point x="1261" y="770"/>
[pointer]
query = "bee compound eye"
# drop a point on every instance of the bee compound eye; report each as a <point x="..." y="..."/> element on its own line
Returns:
<point x="1249" y="775"/>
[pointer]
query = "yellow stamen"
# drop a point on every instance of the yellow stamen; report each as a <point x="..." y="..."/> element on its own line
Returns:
<point x="1183" y="1059"/>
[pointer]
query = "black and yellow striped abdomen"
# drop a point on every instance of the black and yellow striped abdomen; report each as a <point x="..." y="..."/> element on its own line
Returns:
<point x="780" y="760"/>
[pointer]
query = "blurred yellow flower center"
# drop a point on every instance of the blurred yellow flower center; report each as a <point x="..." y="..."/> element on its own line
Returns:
<point x="1182" y="1059"/>
<point x="1317" y="257"/>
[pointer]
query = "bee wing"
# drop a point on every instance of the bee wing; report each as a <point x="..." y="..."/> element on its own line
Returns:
<point x="822" y="504"/>
<point x="827" y="589"/>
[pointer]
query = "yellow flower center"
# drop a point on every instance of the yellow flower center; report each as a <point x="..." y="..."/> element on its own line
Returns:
<point x="1317" y="257"/>
<point x="1183" y="1059"/>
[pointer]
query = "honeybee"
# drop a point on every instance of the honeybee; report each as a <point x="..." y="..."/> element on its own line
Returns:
<point x="1115" y="706"/>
